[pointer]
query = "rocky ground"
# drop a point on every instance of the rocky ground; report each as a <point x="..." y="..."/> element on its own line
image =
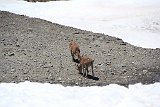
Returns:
<point x="36" y="50"/>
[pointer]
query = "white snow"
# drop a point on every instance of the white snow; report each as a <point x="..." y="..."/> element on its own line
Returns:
<point x="135" y="21"/>
<point x="29" y="94"/>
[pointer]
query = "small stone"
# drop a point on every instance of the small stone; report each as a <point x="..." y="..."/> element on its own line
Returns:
<point x="102" y="70"/>
<point x="76" y="33"/>
<point x="35" y="60"/>
<point x="12" y="70"/>
<point x="30" y="29"/>
<point x="124" y="71"/>
<point x="17" y="45"/>
<point x="123" y="43"/>
<point x="62" y="81"/>
<point x="109" y="54"/>
<point x="97" y="46"/>
<point x="24" y="53"/>
<point x="3" y="39"/>
<point x="92" y="50"/>
<point x="112" y="73"/>
<point x="45" y="67"/>
<point x="100" y="64"/>
<point x="26" y="78"/>
<point x="145" y="71"/>
<point x="118" y="39"/>
<point x="157" y="67"/>
<point x="79" y="79"/>
<point x="25" y="72"/>
<point x="108" y="63"/>
<point x="124" y="50"/>
<point x="104" y="52"/>
<point x="11" y="54"/>
<point x="59" y="79"/>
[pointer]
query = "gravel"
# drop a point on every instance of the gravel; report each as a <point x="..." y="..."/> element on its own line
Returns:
<point x="36" y="50"/>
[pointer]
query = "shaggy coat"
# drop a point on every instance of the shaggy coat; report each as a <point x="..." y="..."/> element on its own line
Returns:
<point x="74" y="49"/>
<point x="85" y="62"/>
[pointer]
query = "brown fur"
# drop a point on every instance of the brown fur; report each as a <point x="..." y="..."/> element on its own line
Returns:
<point x="85" y="62"/>
<point x="74" y="49"/>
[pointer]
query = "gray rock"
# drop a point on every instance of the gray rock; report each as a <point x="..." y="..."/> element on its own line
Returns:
<point x="41" y="54"/>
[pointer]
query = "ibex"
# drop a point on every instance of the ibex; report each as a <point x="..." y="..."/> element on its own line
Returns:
<point x="74" y="49"/>
<point x="85" y="62"/>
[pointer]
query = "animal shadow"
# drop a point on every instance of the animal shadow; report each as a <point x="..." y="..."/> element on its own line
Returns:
<point x="92" y="77"/>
